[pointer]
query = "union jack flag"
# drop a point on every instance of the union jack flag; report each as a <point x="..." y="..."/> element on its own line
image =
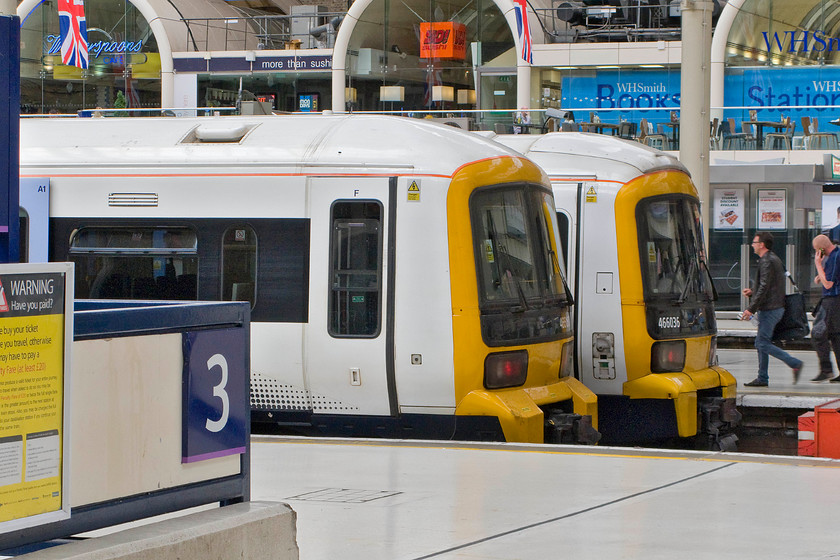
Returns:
<point x="520" y="8"/>
<point x="74" y="43"/>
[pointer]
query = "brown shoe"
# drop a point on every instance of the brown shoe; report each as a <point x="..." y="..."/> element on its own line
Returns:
<point x="796" y="372"/>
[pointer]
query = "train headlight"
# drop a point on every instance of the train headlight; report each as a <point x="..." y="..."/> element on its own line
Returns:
<point x="567" y="365"/>
<point x="667" y="356"/>
<point x="713" y="359"/>
<point x="505" y="369"/>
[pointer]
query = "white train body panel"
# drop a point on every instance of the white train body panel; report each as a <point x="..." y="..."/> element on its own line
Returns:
<point x="292" y="171"/>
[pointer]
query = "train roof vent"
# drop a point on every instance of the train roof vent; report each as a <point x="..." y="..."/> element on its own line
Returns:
<point x="132" y="199"/>
<point x="218" y="133"/>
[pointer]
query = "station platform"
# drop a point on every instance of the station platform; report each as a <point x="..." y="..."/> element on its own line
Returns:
<point x="398" y="500"/>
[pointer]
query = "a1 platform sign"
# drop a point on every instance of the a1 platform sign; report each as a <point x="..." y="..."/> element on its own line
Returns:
<point x="216" y="407"/>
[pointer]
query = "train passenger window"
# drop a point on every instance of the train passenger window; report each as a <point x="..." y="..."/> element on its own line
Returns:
<point x="135" y="263"/>
<point x="239" y="264"/>
<point x="355" y="269"/>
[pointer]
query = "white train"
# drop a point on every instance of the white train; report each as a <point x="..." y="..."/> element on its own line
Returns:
<point x="404" y="276"/>
<point x="629" y="219"/>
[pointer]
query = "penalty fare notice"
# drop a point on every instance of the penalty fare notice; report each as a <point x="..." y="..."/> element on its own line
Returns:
<point x="36" y="326"/>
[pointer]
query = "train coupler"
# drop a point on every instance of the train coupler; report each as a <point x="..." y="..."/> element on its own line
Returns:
<point x="718" y="418"/>
<point x="565" y="427"/>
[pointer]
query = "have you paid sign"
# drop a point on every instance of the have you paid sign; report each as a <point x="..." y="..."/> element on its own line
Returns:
<point x="35" y="327"/>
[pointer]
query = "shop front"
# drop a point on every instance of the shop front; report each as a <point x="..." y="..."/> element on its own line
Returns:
<point x="124" y="69"/>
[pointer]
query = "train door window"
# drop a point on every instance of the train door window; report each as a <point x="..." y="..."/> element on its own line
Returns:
<point x="135" y="263"/>
<point x="24" y="236"/>
<point x="355" y="269"/>
<point x="564" y="225"/>
<point x="239" y="264"/>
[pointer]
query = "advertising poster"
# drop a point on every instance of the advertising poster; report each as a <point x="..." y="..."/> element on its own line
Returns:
<point x="771" y="208"/>
<point x="729" y="209"/>
<point x="33" y="356"/>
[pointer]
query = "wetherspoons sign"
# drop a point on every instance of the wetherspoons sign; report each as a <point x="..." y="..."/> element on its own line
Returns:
<point x="36" y="321"/>
<point x="52" y="45"/>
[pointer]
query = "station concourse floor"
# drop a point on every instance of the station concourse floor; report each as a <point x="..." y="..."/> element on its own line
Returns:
<point x="400" y="500"/>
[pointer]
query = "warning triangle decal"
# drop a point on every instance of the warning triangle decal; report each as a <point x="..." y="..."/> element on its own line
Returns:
<point x="4" y="305"/>
<point x="413" y="187"/>
<point x="591" y="190"/>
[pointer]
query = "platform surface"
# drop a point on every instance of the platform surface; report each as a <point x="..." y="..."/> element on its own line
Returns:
<point x="781" y="392"/>
<point x="381" y="500"/>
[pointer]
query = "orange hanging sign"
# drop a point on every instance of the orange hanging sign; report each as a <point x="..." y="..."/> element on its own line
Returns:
<point x="443" y="39"/>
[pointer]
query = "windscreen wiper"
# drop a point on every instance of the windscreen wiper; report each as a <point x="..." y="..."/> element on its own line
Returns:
<point x="688" y="280"/>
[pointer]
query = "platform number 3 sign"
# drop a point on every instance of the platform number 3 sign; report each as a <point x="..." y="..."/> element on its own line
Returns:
<point x="216" y="407"/>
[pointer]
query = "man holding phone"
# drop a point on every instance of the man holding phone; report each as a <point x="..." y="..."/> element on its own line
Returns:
<point x="826" y="332"/>
<point x="767" y="302"/>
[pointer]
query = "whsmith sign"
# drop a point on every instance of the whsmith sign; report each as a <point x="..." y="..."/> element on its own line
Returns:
<point x="800" y="41"/>
<point x="792" y="91"/>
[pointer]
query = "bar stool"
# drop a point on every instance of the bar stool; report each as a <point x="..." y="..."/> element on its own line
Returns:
<point x="657" y="140"/>
<point x="714" y="143"/>
<point x="627" y="130"/>
<point x="731" y="140"/>
<point x="780" y="140"/>
<point x="817" y="140"/>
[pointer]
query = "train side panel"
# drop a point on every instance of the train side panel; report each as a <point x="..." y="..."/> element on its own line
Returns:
<point x="424" y="353"/>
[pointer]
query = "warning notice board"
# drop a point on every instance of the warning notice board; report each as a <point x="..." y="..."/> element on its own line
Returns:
<point x="36" y="327"/>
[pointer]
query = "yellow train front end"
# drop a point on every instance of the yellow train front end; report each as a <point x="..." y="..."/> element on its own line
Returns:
<point x="667" y="302"/>
<point x="512" y="325"/>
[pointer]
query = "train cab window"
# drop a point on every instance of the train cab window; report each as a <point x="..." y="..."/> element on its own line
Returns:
<point x="671" y="246"/>
<point x="135" y="263"/>
<point x="355" y="269"/>
<point x="239" y="264"/>
<point x="521" y="289"/>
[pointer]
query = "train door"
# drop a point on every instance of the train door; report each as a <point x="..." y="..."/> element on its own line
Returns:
<point x="598" y="313"/>
<point x="34" y="218"/>
<point x="349" y="337"/>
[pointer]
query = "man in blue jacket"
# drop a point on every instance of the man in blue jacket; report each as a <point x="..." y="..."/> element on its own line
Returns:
<point x="826" y="333"/>
<point x="767" y="303"/>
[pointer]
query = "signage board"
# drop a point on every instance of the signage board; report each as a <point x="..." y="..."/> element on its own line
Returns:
<point x="36" y="319"/>
<point x="215" y="398"/>
<point x="772" y="209"/>
<point x="443" y="40"/>
<point x="728" y="209"/>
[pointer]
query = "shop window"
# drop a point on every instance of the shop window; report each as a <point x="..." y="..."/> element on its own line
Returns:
<point x="239" y="264"/>
<point x="355" y="269"/>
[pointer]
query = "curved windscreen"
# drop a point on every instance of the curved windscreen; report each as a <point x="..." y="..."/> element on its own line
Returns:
<point x="677" y="285"/>
<point x="522" y="294"/>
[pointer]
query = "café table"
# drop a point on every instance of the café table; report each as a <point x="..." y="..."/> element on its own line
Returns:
<point x="599" y="127"/>
<point x="759" y="130"/>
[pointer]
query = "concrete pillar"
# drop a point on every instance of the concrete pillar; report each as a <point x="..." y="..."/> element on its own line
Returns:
<point x="694" y="96"/>
<point x="724" y="25"/>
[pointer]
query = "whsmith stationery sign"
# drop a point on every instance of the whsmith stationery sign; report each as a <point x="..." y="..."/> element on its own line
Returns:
<point x="36" y="319"/>
<point x="792" y="91"/>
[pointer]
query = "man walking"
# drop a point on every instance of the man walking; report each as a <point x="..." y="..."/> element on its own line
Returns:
<point x="826" y="334"/>
<point x="767" y="302"/>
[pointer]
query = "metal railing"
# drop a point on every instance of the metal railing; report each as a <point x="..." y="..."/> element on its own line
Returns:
<point x="258" y="32"/>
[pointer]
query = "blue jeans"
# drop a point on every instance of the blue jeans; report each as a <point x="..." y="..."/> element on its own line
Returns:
<point x="767" y="321"/>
